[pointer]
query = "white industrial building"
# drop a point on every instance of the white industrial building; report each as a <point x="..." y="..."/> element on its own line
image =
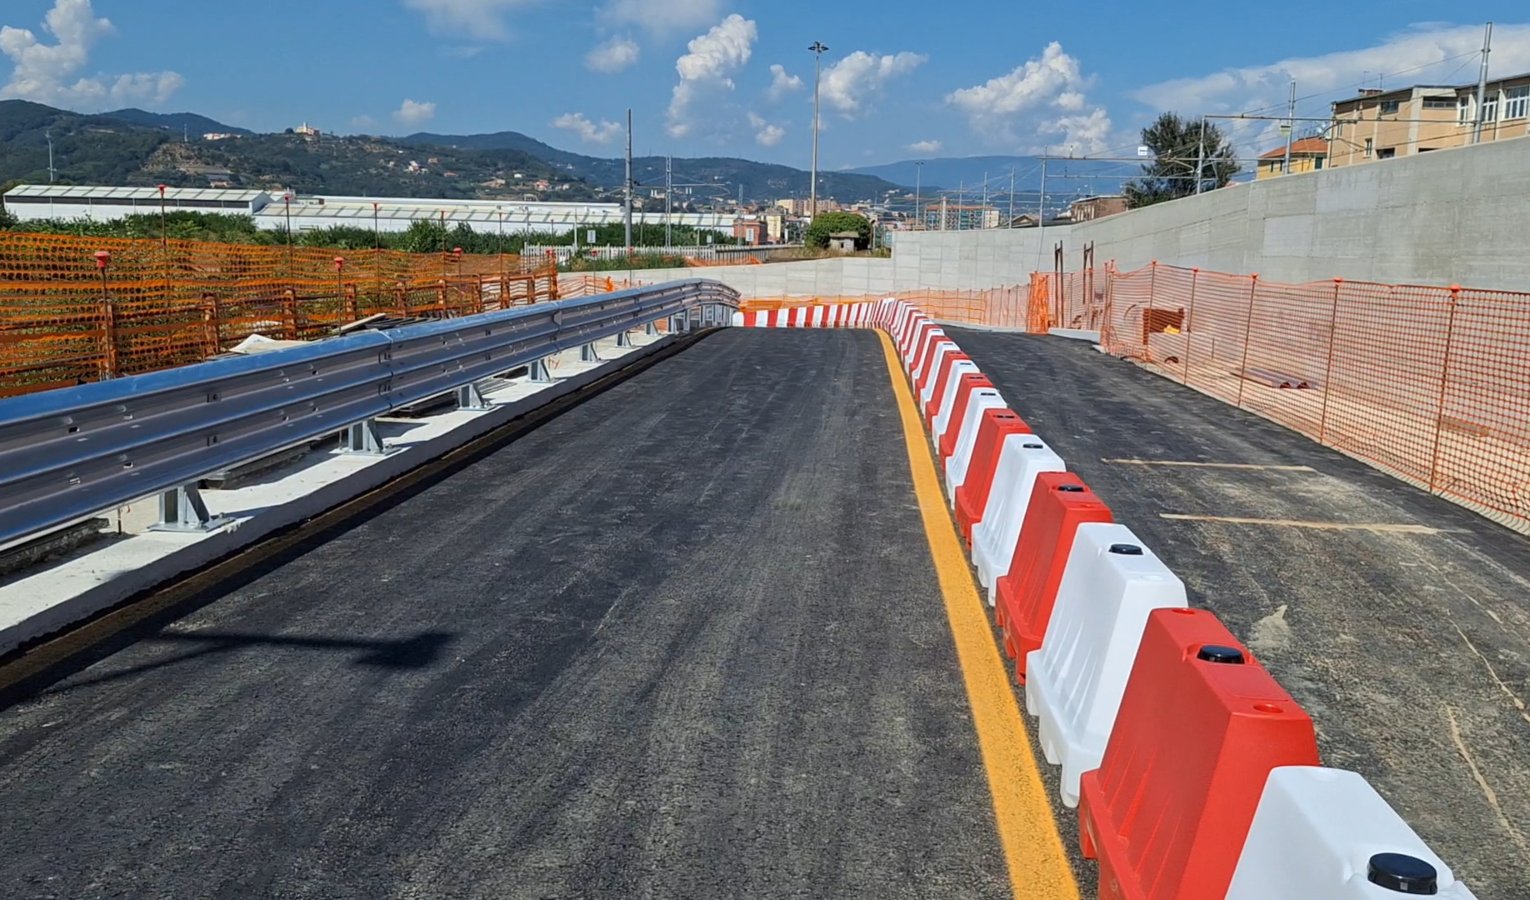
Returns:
<point x="32" y="202"/>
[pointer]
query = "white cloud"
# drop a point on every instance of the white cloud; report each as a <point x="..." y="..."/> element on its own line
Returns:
<point x="414" y="112"/>
<point x="612" y="56"/>
<point x="480" y="19"/>
<point x="847" y="85"/>
<point x="1052" y="82"/>
<point x="47" y="72"/>
<point x="1425" y="54"/>
<point x="766" y="134"/>
<point x="926" y="148"/>
<point x="660" y="16"/>
<point x="782" y="83"/>
<point x="362" y="122"/>
<point x="588" y="131"/>
<point x="706" y="70"/>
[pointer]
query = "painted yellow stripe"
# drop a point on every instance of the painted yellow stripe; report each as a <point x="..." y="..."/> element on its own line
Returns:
<point x="1033" y="849"/>
<point x="1378" y="527"/>
<point x="1191" y="464"/>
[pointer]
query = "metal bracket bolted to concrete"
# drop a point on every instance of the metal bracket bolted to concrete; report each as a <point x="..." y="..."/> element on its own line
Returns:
<point x="470" y="397"/>
<point x="363" y="437"/>
<point x="587" y="353"/>
<point x="538" y="372"/>
<point x="183" y="509"/>
<point x="623" y="339"/>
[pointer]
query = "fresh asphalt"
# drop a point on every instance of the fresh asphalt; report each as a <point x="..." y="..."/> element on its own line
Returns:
<point x="684" y="640"/>
<point x="1411" y="652"/>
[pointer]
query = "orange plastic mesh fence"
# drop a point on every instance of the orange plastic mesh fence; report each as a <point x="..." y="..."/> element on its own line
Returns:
<point x="1431" y="384"/>
<point x="80" y="309"/>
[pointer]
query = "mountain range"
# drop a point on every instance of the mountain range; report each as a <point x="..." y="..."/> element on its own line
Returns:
<point x="135" y="147"/>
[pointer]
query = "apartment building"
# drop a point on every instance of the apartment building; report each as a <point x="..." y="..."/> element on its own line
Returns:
<point x="1308" y="154"/>
<point x="1385" y="124"/>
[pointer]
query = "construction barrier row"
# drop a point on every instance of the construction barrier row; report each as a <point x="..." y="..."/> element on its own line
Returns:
<point x="1194" y="773"/>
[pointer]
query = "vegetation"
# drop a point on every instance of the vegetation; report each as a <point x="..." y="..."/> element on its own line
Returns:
<point x="829" y="223"/>
<point x="636" y="261"/>
<point x="1178" y="145"/>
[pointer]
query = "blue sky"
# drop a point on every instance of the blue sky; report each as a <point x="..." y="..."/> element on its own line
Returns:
<point x="734" y="77"/>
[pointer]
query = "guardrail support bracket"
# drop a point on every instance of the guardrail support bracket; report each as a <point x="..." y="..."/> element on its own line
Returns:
<point x="623" y="339"/>
<point x="651" y="329"/>
<point x="539" y="372"/>
<point x="470" y="397"/>
<point x="183" y="509"/>
<point x="362" y="437"/>
<point x="587" y="353"/>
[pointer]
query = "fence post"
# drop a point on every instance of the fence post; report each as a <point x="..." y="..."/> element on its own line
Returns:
<point x="1439" y="417"/>
<point x="1333" y="331"/>
<point x="1185" y="330"/>
<point x="108" y="365"/>
<point x="1108" y="327"/>
<point x="1147" y="315"/>
<point x="1248" y="331"/>
<point x="401" y="294"/>
<point x="212" y="325"/>
<point x="290" y="314"/>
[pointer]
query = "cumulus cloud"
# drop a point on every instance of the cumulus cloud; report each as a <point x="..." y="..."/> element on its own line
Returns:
<point x="926" y="148"/>
<point x="850" y="83"/>
<point x="49" y="72"/>
<point x="660" y="16"/>
<point x="613" y="55"/>
<point x="707" y="68"/>
<point x="1053" y="84"/>
<point x="766" y="133"/>
<point x="414" y="112"/>
<point x="479" y="19"/>
<point x="589" y="132"/>
<point x="782" y="83"/>
<point x="1424" y="54"/>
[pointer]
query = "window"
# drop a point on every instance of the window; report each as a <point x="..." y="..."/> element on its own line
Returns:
<point x="1464" y="111"/>
<point x="1439" y="103"/>
<point x="1370" y="147"/>
<point x="1490" y="107"/>
<point x="1386" y="153"/>
<point x="1516" y="102"/>
<point x="1390" y="107"/>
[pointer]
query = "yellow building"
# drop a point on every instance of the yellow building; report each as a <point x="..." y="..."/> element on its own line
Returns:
<point x="1307" y="155"/>
<point x="1387" y="124"/>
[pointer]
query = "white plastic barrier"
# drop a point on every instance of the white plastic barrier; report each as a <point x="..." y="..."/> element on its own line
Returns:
<point x="1325" y="834"/>
<point x="926" y="378"/>
<point x="925" y="350"/>
<point x="983" y="399"/>
<point x="1075" y="681"/>
<point x="910" y="340"/>
<point x="942" y="420"/>
<point x="1021" y="459"/>
<point x="738" y="320"/>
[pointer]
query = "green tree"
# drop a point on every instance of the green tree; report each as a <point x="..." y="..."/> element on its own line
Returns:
<point x="1177" y="146"/>
<point x="829" y="223"/>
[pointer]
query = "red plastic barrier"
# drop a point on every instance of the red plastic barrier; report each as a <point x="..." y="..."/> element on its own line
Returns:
<point x="1060" y="503"/>
<point x="916" y="339"/>
<point x="972" y="496"/>
<point x="1201" y="725"/>
<point x="964" y="388"/>
<point x="774" y="318"/>
<point x="942" y="378"/>
<point x="798" y="317"/>
<point x="919" y="369"/>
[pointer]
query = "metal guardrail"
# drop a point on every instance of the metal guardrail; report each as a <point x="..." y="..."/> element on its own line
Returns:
<point x="71" y="453"/>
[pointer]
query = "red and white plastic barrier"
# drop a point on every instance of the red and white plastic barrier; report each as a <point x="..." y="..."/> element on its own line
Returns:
<point x="1195" y="774"/>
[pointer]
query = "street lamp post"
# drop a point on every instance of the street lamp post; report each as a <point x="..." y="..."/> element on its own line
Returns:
<point x="918" y="177"/>
<point x="818" y="50"/>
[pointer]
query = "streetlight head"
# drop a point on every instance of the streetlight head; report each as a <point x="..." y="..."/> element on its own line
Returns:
<point x="818" y="47"/>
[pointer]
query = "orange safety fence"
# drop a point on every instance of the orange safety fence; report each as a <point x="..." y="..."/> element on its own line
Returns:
<point x="1431" y="384"/>
<point x="74" y="310"/>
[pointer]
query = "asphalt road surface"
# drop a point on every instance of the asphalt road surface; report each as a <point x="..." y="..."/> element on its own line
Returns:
<point x="1410" y="651"/>
<point x="682" y="641"/>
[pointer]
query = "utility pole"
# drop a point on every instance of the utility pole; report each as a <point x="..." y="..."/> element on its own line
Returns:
<point x="818" y="50"/>
<point x="983" y="210"/>
<point x="52" y="172"/>
<point x="1290" y="127"/>
<point x="918" y="175"/>
<point x="1010" y="223"/>
<point x="1482" y="77"/>
<point x="961" y="201"/>
<point x="669" y="190"/>
<point x="1041" y="211"/>
<point x="1200" y="158"/>
<point x="626" y="189"/>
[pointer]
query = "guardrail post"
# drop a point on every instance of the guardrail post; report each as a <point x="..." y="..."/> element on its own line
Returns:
<point x="363" y="437"/>
<point x="651" y="329"/>
<point x="623" y="339"/>
<point x="539" y="372"/>
<point x="183" y="509"/>
<point x="470" y="397"/>
<point x="587" y="353"/>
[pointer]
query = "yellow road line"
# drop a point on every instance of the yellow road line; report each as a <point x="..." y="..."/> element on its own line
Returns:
<point x="1033" y="849"/>
<point x="1378" y="527"/>
<point x="1191" y="464"/>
